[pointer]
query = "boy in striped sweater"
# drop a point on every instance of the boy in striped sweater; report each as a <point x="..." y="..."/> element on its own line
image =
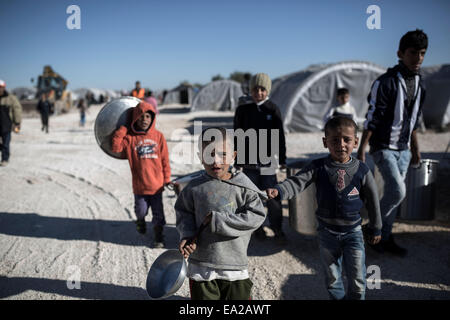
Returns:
<point x="343" y="183"/>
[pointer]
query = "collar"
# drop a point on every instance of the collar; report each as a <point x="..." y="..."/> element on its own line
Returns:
<point x="406" y="73"/>
<point x="262" y="102"/>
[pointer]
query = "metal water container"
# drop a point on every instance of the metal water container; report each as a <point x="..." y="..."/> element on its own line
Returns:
<point x="421" y="191"/>
<point x="302" y="209"/>
<point x="114" y="114"/>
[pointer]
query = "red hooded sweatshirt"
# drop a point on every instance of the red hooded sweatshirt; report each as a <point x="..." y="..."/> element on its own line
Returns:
<point x="146" y="151"/>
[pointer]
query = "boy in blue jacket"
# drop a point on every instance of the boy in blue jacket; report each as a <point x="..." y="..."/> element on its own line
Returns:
<point x="342" y="183"/>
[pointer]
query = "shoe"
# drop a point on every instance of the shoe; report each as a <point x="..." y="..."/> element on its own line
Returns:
<point x="280" y="237"/>
<point x="260" y="234"/>
<point x="141" y="226"/>
<point x="158" y="240"/>
<point x="391" y="247"/>
<point x="3" y="163"/>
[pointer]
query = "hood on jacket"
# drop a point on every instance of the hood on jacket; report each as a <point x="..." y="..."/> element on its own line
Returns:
<point x="141" y="108"/>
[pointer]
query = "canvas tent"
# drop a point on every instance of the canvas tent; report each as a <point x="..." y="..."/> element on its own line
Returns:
<point x="220" y="95"/>
<point x="181" y="94"/>
<point x="96" y="94"/>
<point x="436" y="109"/>
<point x="306" y="96"/>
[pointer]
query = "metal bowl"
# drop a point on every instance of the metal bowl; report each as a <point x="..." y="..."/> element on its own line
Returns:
<point x="114" y="114"/>
<point x="166" y="275"/>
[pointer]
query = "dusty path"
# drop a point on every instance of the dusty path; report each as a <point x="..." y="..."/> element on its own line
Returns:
<point x="66" y="210"/>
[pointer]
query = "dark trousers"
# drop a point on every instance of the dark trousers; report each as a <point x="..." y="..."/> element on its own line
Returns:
<point x="143" y="202"/>
<point x="275" y="209"/>
<point x="6" y="139"/>
<point x="221" y="289"/>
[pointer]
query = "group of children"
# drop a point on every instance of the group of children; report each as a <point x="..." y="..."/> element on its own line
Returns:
<point x="229" y="207"/>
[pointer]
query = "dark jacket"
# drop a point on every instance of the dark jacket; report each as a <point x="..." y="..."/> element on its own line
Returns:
<point x="393" y="109"/>
<point x="266" y="116"/>
<point x="338" y="210"/>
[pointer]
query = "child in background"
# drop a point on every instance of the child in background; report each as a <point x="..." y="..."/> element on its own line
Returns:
<point x="148" y="156"/>
<point x="344" y="109"/>
<point x="342" y="183"/>
<point x="230" y="207"/>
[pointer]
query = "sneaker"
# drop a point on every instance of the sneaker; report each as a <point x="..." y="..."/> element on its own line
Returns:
<point x="158" y="240"/>
<point x="391" y="247"/>
<point x="280" y="237"/>
<point x="260" y="234"/>
<point x="3" y="163"/>
<point x="141" y="226"/>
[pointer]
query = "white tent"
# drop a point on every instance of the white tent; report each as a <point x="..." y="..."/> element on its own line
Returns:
<point x="221" y="95"/>
<point x="25" y="93"/>
<point x="181" y="94"/>
<point x="436" y="109"/>
<point x="306" y="96"/>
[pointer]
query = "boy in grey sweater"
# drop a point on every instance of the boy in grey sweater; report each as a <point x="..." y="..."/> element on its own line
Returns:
<point x="342" y="184"/>
<point x="229" y="207"/>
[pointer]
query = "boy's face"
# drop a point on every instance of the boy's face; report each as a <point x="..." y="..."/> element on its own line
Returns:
<point x="412" y="58"/>
<point x="259" y="94"/>
<point x="216" y="158"/>
<point x="343" y="98"/>
<point x="144" y="121"/>
<point x="340" y="142"/>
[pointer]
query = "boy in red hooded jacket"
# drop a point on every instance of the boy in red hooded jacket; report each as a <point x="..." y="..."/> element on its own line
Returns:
<point x="148" y="156"/>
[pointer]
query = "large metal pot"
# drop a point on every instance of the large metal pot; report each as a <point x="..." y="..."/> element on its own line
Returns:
<point x="166" y="275"/>
<point x="420" y="200"/>
<point x="114" y="114"/>
<point x="302" y="209"/>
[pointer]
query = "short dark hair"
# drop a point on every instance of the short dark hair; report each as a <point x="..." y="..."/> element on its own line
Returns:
<point x="413" y="39"/>
<point x="223" y="134"/>
<point x="342" y="91"/>
<point x="340" y="121"/>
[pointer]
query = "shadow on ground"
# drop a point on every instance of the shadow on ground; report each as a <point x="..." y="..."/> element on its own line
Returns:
<point x="117" y="232"/>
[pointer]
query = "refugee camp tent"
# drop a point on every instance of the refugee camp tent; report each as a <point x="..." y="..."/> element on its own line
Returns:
<point x="220" y="95"/>
<point x="436" y="109"/>
<point x="96" y="94"/>
<point x="306" y="96"/>
<point x="182" y="94"/>
<point x="25" y="93"/>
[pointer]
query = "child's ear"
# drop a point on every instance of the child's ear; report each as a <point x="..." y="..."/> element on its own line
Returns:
<point x="356" y="141"/>
<point x="400" y="54"/>
<point x="324" y="140"/>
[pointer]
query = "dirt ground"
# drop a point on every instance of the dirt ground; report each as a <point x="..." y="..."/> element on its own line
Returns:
<point x="66" y="212"/>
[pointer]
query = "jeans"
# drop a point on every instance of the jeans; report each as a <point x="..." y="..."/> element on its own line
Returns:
<point x="275" y="209"/>
<point x="393" y="166"/>
<point x="142" y="204"/>
<point x="6" y="139"/>
<point x="348" y="250"/>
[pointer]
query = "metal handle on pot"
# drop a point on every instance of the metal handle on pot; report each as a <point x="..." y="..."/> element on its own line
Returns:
<point x="194" y="238"/>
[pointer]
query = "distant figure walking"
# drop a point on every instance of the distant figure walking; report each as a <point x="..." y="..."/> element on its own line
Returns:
<point x="83" y="107"/>
<point x="138" y="92"/>
<point x="45" y="108"/>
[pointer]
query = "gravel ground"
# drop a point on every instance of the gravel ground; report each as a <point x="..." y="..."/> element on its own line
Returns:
<point x="66" y="211"/>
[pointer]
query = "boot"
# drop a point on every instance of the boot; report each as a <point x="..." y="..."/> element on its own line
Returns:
<point x="141" y="226"/>
<point x="158" y="240"/>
